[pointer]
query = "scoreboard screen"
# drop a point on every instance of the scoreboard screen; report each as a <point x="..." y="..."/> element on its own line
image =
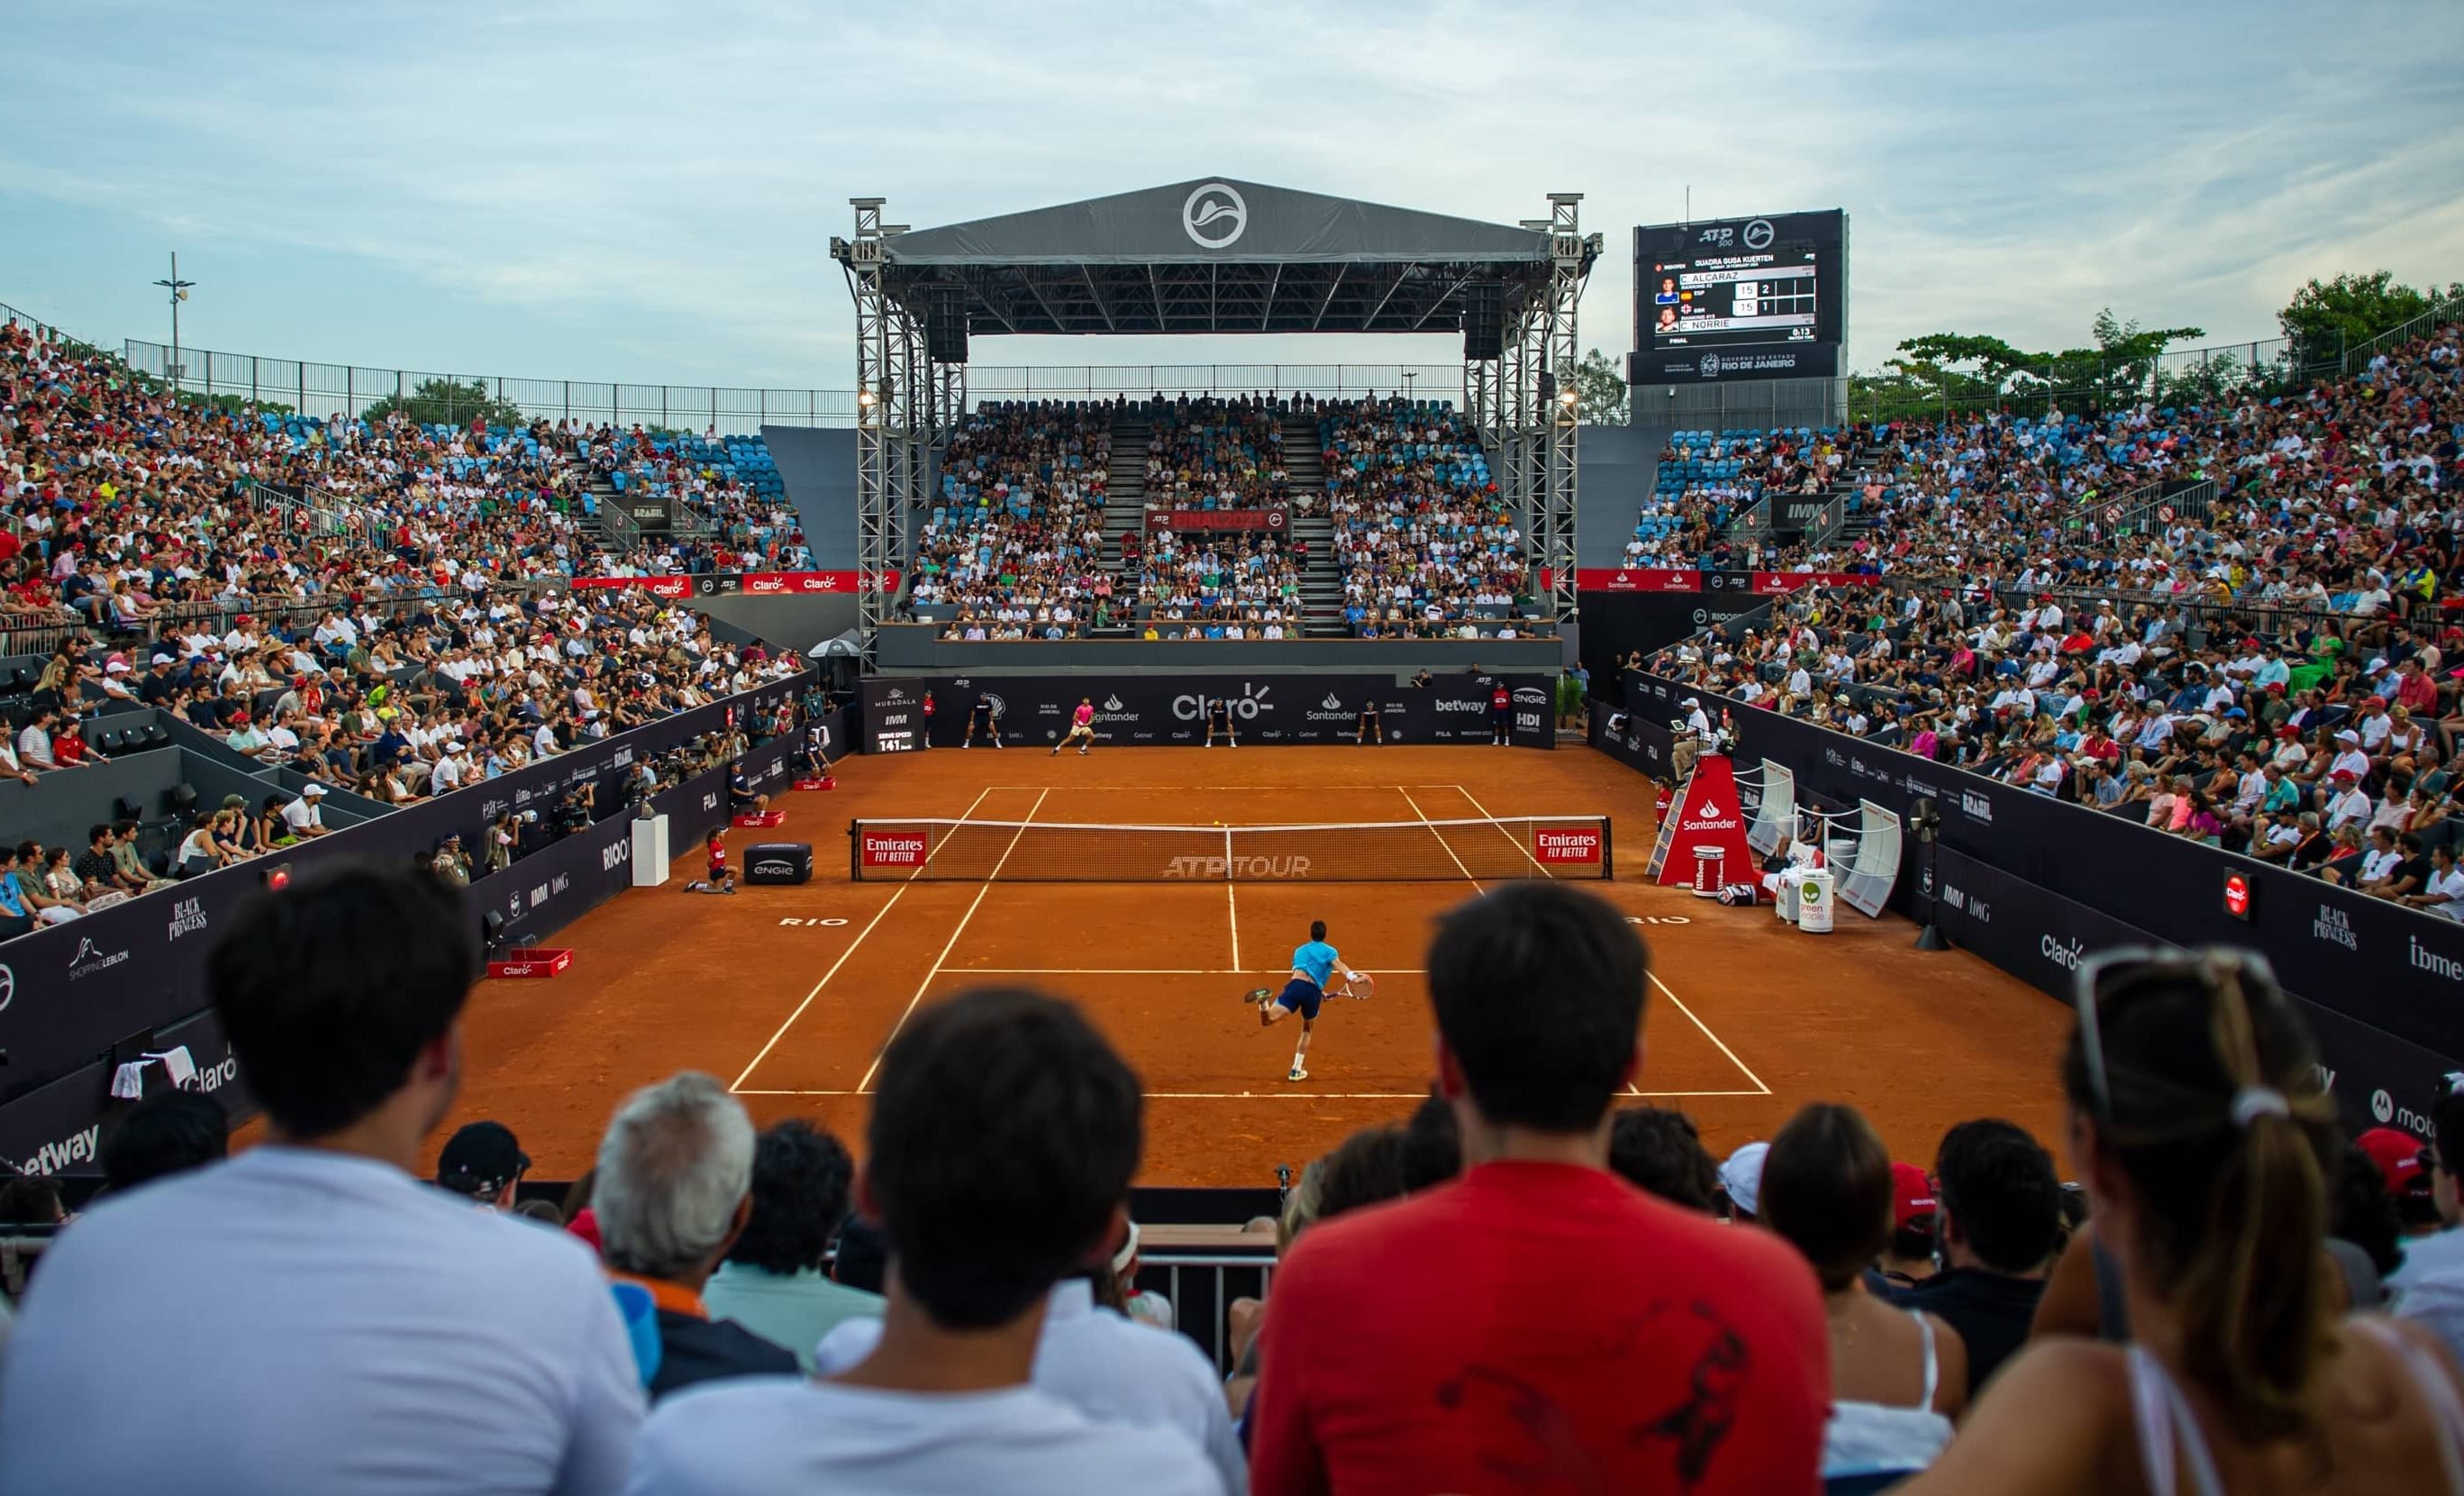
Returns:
<point x="1765" y="297"/>
<point x="1713" y="300"/>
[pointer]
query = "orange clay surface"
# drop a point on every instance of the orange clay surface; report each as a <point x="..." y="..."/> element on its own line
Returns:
<point x="790" y="994"/>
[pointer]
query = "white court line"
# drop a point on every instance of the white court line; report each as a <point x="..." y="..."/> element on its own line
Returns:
<point x="982" y="890"/>
<point x="1290" y="1095"/>
<point x="1713" y="1037"/>
<point x="1232" y="907"/>
<point x="1440" y="834"/>
<point x="1502" y="832"/>
<point x="841" y="961"/>
<point x="1630" y="1087"/>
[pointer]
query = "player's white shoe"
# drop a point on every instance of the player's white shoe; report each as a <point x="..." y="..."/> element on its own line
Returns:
<point x="1081" y="753"/>
<point x="1209" y="743"/>
<point x="1297" y="1075"/>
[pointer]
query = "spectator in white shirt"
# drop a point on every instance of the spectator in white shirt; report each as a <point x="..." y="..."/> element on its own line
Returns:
<point x="366" y="1332"/>
<point x="302" y="815"/>
<point x="995" y="1106"/>
<point x="34" y="742"/>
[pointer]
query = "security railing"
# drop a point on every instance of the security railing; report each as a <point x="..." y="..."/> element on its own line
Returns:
<point x="307" y="387"/>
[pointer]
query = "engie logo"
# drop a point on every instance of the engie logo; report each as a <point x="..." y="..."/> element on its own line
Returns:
<point x="1572" y="844"/>
<point x="774" y="869"/>
<point x="1530" y="696"/>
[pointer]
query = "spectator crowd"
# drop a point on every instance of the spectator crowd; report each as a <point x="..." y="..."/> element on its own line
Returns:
<point x="414" y="638"/>
<point x="2273" y="674"/>
<point x="717" y="1308"/>
<point x="1422" y="537"/>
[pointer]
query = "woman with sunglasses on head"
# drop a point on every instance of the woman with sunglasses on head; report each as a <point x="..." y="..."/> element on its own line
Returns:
<point x="2198" y="1121"/>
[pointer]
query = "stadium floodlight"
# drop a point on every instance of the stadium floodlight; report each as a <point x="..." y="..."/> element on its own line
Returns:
<point x="179" y="290"/>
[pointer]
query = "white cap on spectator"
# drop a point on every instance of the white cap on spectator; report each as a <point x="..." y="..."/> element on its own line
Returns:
<point x="1742" y="1177"/>
<point x="313" y="791"/>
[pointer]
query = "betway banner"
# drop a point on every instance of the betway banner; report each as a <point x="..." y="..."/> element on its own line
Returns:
<point x="1161" y="710"/>
<point x="2394" y="970"/>
<point x="753" y="584"/>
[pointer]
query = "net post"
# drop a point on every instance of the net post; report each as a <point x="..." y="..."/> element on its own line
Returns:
<point x="1608" y="851"/>
<point x="1227" y="854"/>
<point x="855" y="851"/>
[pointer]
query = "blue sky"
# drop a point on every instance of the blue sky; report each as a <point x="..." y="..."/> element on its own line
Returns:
<point x="646" y="192"/>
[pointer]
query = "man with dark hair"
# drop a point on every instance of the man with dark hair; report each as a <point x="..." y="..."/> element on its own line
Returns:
<point x="2429" y="1288"/>
<point x="1659" y="1152"/>
<point x="168" y="1132"/>
<point x="1003" y="1137"/>
<point x="1715" y="1377"/>
<point x="773" y="1283"/>
<point x="1432" y="1146"/>
<point x="484" y="1164"/>
<point x="351" y="1314"/>
<point x="1997" y="1219"/>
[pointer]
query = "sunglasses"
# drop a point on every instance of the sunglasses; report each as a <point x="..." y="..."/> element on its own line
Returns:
<point x="2112" y="975"/>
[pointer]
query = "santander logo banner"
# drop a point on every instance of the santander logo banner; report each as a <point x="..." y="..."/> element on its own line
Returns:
<point x="1637" y="579"/>
<point x="1708" y="815"/>
<point x="1773" y="584"/>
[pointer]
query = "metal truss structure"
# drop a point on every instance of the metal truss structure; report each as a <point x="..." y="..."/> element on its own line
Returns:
<point x="1416" y="274"/>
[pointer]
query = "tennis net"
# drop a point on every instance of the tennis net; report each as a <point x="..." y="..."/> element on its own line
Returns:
<point x="1373" y="852"/>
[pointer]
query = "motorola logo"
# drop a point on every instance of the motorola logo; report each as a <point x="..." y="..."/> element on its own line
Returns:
<point x="1213" y="216"/>
<point x="1758" y="234"/>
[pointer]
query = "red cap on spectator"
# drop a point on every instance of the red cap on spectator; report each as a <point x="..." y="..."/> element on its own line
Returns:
<point x="1912" y="1196"/>
<point x="2378" y="701"/>
<point x="2398" y="1155"/>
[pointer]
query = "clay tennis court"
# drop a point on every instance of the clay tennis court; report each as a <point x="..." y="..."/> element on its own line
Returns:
<point x="790" y="994"/>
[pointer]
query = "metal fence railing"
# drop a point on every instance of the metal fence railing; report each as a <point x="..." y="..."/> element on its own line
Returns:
<point x="2358" y="356"/>
<point x="308" y="387"/>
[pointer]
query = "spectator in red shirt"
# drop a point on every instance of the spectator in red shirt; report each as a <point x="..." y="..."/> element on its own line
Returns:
<point x="1539" y="1325"/>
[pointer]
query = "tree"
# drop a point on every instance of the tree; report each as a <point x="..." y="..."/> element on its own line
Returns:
<point x="1945" y="371"/>
<point x="450" y="402"/>
<point x="1602" y="390"/>
<point x="2327" y="317"/>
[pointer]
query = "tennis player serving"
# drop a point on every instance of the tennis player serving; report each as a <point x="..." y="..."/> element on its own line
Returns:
<point x="1314" y="966"/>
<point x="1081" y="729"/>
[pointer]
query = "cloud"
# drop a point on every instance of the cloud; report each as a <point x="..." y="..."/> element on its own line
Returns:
<point x="658" y="183"/>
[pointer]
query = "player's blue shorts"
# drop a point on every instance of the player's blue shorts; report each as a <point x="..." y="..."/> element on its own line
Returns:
<point x="1301" y="997"/>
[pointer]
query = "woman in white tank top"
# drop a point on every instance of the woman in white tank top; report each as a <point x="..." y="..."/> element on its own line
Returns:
<point x="2198" y="1120"/>
<point x="1898" y="1378"/>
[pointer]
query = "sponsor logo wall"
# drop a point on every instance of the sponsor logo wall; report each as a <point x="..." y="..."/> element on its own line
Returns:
<point x="2378" y="1080"/>
<point x="758" y="584"/>
<point x="71" y="992"/>
<point x="1136" y="710"/>
<point x="2376" y="964"/>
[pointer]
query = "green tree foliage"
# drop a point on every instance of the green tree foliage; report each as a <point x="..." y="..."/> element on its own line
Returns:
<point x="1603" y="390"/>
<point x="2327" y="317"/>
<point x="452" y="402"/>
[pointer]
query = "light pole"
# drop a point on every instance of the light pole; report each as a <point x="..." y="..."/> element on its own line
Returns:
<point x="179" y="292"/>
<point x="1409" y="375"/>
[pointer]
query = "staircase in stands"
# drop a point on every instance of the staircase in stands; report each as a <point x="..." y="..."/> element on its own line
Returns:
<point x="1125" y="496"/>
<point x="1321" y="579"/>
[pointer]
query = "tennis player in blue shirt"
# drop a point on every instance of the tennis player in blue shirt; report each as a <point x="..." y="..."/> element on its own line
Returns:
<point x="1314" y="966"/>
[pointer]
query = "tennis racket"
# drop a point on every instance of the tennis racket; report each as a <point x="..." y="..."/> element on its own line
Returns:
<point x="1360" y="984"/>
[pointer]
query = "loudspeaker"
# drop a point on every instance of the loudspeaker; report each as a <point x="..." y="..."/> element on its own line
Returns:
<point x="945" y="325"/>
<point x="779" y="863"/>
<point x="1484" y="320"/>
